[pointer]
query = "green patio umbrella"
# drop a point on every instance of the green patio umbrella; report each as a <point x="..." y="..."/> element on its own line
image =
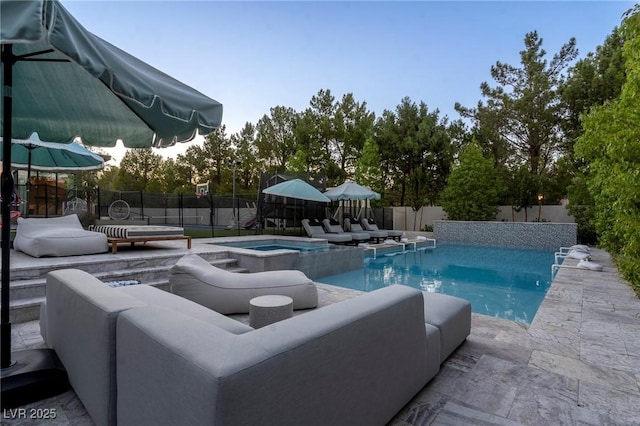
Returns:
<point x="63" y="82"/>
<point x="34" y="154"/>
<point x="298" y="189"/>
<point x="350" y="190"/>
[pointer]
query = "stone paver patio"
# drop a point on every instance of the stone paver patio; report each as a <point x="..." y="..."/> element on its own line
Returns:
<point x="578" y="363"/>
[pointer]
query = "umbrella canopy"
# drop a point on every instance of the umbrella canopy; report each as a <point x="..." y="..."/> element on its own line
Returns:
<point x="297" y="188"/>
<point x="61" y="81"/>
<point x="34" y="154"/>
<point x="68" y="82"/>
<point x="351" y="191"/>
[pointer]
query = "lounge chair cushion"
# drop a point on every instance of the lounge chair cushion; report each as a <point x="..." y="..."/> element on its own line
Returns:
<point x="57" y="236"/>
<point x="333" y="227"/>
<point x="314" y="229"/>
<point x="355" y="226"/>
<point x="370" y="225"/>
<point x="226" y="292"/>
<point x="138" y="231"/>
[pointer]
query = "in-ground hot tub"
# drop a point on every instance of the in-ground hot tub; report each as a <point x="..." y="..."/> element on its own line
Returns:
<point x="313" y="256"/>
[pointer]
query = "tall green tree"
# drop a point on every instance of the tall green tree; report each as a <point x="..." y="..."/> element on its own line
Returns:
<point x="369" y="172"/>
<point x="411" y="138"/>
<point x="472" y="190"/>
<point x="275" y="138"/>
<point x="174" y="178"/>
<point x="216" y="150"/>
<point x="593" y="80"/>
<point x="139" y="170"/>
<point x="353" y="124"/>
<point x="330" y="136"/>
<point x="524" y="108"/>
<point x="193" y="166"/>
<point x="246" y="152"/>
<point x="610" y="146"/>
<point x="108" y="178"/>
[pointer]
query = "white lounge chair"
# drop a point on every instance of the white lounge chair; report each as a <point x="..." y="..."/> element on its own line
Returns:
<point x="332" y="226"/>
<point x="227" y="292"/>
<point x="369" y="225"/>
<point x="314" y="229"/>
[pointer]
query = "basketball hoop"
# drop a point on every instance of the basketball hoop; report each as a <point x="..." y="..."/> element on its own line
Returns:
<point x="202" y="189"/>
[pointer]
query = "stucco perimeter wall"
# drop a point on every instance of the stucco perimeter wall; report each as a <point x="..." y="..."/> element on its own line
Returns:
<point x="536" y="235"/>
<point x="407" y="219"/>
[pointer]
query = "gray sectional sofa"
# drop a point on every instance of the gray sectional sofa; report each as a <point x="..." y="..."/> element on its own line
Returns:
<point x="137" y="355"/>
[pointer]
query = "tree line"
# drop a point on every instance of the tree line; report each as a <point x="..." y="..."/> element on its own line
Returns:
<point x="551" y="127"/>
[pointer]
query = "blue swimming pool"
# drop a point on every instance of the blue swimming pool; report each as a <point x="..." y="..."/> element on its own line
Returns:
<point x="502" y="282"/>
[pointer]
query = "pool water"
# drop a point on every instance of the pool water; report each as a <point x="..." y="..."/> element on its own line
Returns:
<point x="502" y="282"/>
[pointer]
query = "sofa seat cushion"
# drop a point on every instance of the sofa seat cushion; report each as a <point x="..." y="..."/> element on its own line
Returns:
<point x="59" y="236"/>
<point x="452" y="315"/>
<point x="226" y="292"/>
<point x="156" y="297"/>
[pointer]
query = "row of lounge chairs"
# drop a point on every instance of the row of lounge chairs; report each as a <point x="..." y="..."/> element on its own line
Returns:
<point x="354" y="232"/>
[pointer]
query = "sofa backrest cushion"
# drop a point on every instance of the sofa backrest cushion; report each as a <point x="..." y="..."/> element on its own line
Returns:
<point x="81" y="325"/>
<point x="156" y="297"/>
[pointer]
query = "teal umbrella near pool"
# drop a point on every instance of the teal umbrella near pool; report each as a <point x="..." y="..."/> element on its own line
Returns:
<point x="351" y="191"/>
<point x="63" y="82"/>
<point x="34" y="154"/>
<point x="298" y="190"/>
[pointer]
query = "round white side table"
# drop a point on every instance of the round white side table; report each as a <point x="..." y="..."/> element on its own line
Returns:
<point x="265" y="310"/>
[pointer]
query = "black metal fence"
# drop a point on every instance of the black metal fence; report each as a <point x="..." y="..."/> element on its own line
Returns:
<point x="183" y="210"/>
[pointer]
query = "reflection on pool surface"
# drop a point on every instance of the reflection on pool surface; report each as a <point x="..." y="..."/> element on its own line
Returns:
<point x="503" y="282"/>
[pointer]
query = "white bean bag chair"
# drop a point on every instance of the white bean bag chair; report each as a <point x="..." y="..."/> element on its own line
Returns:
<point x="227" y="292"/>
<point x="57" y="236"/>
<point x="580" y="247"/>
<point x="579" y="255"/>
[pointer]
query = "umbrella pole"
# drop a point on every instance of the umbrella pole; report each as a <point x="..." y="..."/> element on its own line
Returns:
<point x="7" y="188"/>
<point x="28" y="179"/>
<point x="33" y="374"/>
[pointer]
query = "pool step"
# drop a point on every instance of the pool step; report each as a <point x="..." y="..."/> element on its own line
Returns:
<point x="27" y="291"/>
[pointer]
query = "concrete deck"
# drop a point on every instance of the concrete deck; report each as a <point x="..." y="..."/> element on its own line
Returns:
<point x="578" y="363"/>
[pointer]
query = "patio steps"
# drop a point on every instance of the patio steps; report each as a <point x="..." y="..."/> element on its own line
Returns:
<point x="28" y="285"/>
